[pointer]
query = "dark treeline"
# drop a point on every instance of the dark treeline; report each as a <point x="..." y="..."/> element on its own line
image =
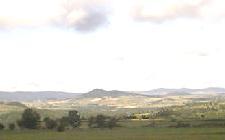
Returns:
<point x="31" y="119"/>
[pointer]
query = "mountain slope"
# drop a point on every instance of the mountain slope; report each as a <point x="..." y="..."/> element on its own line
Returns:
<point x="99" y="93"/>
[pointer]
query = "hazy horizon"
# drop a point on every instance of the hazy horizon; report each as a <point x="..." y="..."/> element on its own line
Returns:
<point x="12" y="91"/>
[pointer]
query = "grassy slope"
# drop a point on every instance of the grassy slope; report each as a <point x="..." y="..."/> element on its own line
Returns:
<point x="119" y="134"/>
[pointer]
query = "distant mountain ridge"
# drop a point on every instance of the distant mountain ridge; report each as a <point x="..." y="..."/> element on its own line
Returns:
<point x="35" y="95"/>
<point x="98" y="93"/>
<point x="164" y="91"/>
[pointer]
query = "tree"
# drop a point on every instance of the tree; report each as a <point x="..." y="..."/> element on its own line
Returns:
<point x="1" y="126"/>
<point x="19" y="123"/>
<point x="91" y="122"/>
<point x="74" y="118"/>
<point x="30" y="119"/>
<point x="64" y="121"/>
<point x="112" y="122"/>
<point x="12" y="126"/>
<point x="50" y="123"/>
<point x="101" y="121"/>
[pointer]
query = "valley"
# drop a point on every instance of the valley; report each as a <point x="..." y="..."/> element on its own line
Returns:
<point x="181" y="103"/>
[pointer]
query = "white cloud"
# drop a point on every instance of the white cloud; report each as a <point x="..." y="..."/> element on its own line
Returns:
<point x="78" y="14"/>
<point x="161" y="10"/>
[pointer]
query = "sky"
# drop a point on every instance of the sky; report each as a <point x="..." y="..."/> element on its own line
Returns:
<point x="80" y="45"/>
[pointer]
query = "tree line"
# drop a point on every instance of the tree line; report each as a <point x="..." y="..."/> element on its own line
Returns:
<point x="31" y="119"/>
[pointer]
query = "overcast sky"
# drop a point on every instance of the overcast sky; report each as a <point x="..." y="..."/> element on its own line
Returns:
<point x="79" y="45"/>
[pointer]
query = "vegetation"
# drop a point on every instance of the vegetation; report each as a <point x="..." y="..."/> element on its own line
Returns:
<point x="101" y="121"/>
<point x="50" y="123"/>
<point x="12" y="126"/>
<point x="139" y="133"/>
<point x="30" y="119"/>
<point x="61" y="128"/>
<point x="1" y="126"/>
<point x="74" y="118"/>
<point x="171" y="122"/>
<point x="64" y="121"/>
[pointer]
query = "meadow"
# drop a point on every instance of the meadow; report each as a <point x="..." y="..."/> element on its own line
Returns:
<point x="118" y="134"/>
<point x="199" y="121"/>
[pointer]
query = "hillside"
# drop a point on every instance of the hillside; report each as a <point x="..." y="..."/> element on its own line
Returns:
<point x="115" y="100"/>
<point x="21" y="96"/>
<point x="99" y="93"/>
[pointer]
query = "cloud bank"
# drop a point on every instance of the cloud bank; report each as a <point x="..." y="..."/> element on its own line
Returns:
<point x="168" y="10"/>
<point x="89" y="15"/>
<point x="85" y="15"/>
<point x="82" y="15"/>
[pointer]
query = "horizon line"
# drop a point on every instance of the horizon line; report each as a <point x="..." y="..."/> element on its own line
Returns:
<point x="13" y="91"/>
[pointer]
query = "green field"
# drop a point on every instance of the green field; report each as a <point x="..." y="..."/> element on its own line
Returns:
<point x="198" y="121"/>
<point x="118" y="134"/>
<point x="129" y="130"/>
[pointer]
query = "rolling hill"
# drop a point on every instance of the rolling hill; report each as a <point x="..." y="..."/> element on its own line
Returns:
<point x="113" y="99"/>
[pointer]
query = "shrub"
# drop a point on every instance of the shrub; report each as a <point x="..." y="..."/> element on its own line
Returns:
<point x="173" y="120"/>
<point x="1" y="126"/>
<point x="181" y="124"/>
<point x="64" y="121"/>
<point x="132" y="117"/>
<point x="112" y="122"/>
<point x="91" y="122"/>
<point x="19" y="123"/>
<point x="61" y="128"/>
<point x="145" y="117"/>
<point x="101" y="121"/>
<point x="50" y="123"/>
<point x="12" y="126"/>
